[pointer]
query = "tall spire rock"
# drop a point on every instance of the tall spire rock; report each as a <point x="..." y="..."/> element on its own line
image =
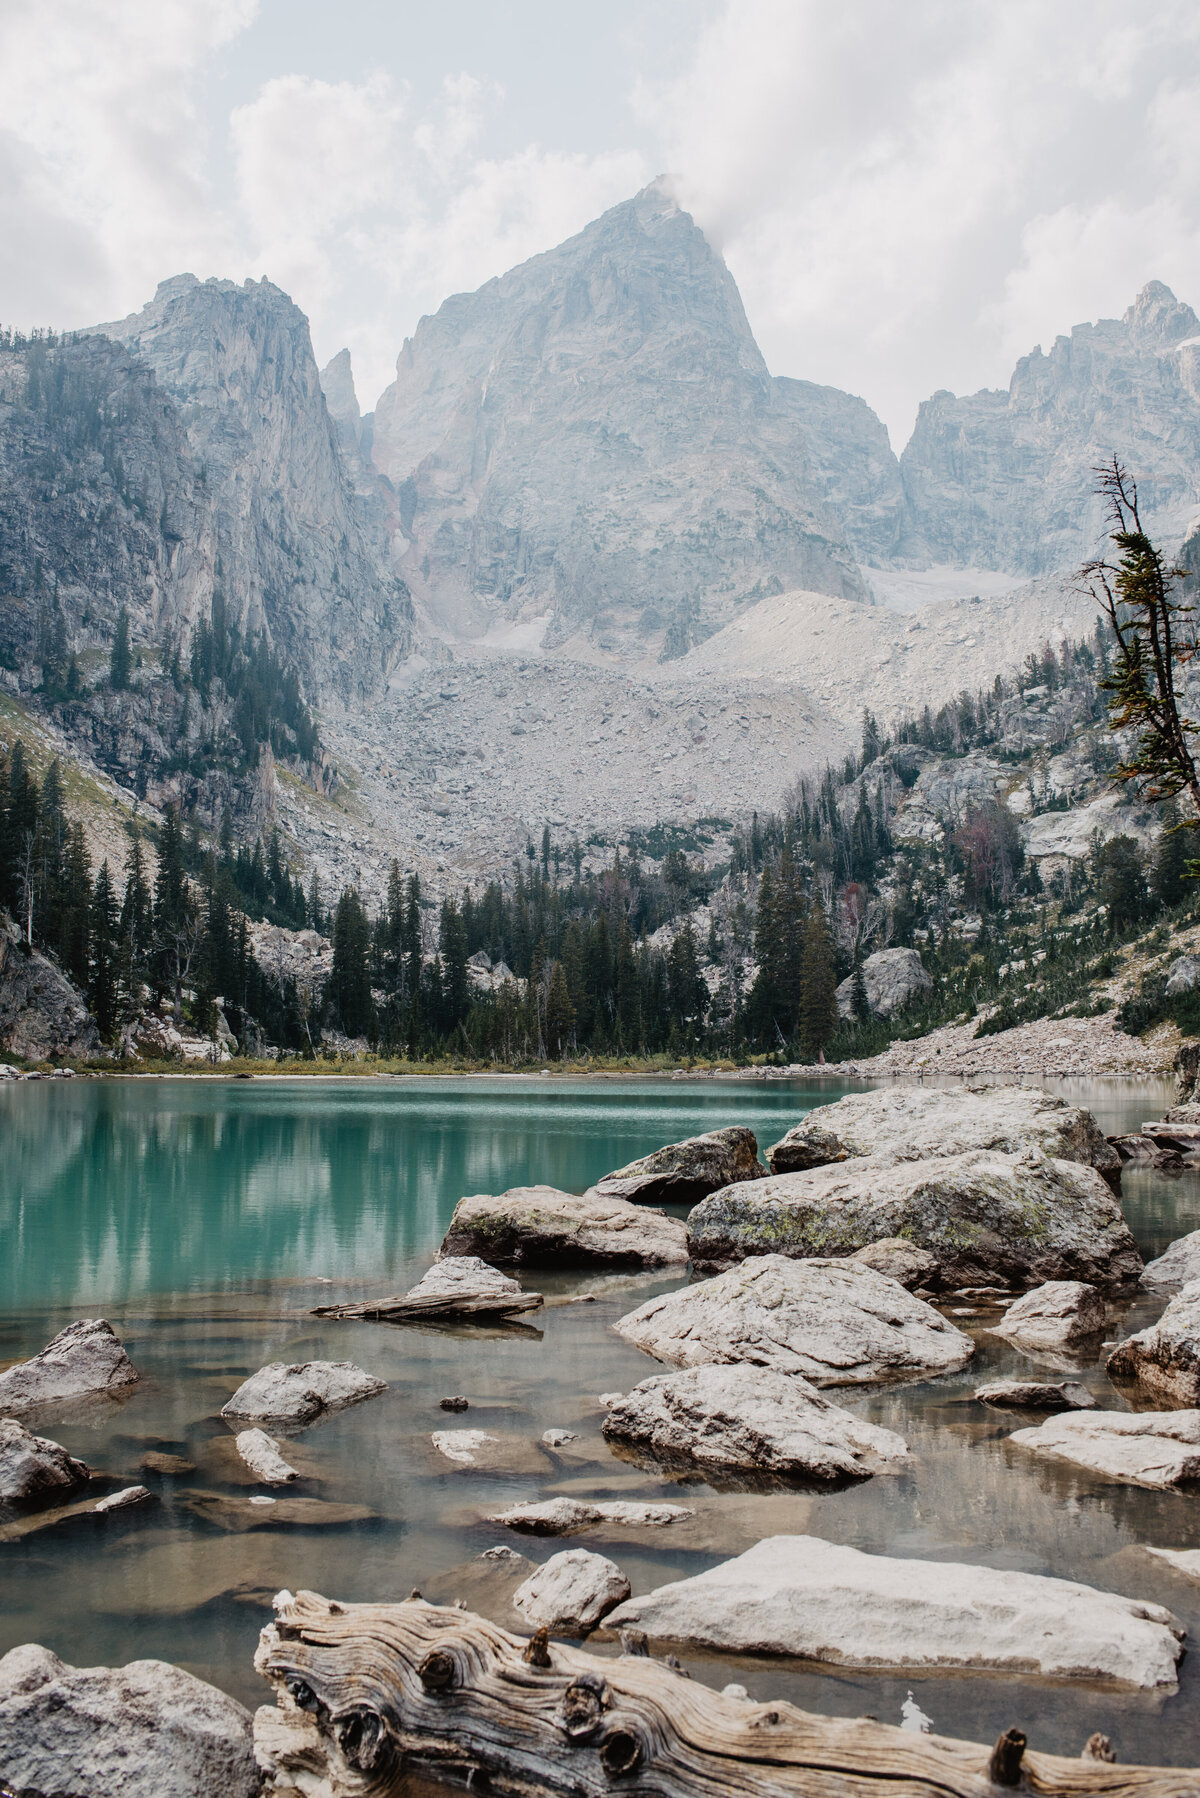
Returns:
<point x="595" y="436"/>
<point x="1006" y="479"/>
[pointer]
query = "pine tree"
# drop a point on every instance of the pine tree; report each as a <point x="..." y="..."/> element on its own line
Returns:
<point x="349" y="989"/>
<point x="120" y="661"/>
<point x="102" y="930"/>
<point x="818" y="1006"/>
<point x="456" y="987"/>
<point x="628" y="992"/>
<point x="1170" y="879"/>
<point x="559" y="1014"/>
<point x="686" y="984"/>
<point x="75" y="903"/>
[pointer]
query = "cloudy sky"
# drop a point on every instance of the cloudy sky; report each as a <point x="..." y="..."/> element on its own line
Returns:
<point x="909" y="195"/>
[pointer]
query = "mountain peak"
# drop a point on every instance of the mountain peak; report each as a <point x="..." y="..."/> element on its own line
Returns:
<point x="1158" y="318"/>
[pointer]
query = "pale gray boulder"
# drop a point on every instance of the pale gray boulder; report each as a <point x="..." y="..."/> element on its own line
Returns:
<point x="1182" y="1560"/>
<point x="988" y="1218"/>
<point x="1158" y="1449"/>
<point x="460" y="1286"/>
<point x="836" y="1322"/>
<point x="799" y="1595"/>
<point x="1182" y="975"/>
<point x="1056" y="1315"/>
<point x="913" y="1123"/>
<point x="1177" y="1264"/>
<point x="1036" y="1395"/>
<point x="900" y="1260"/>
<point x="31" y="1465"/>
<point x="140" y="1731"/>
<point x="84" y="1359"/>
<point x="568" y="1516"/>
<point x="539" y="1224"/>
<point x="686" y="1171"/>
<point x="299" y="1392"/>
<point x="892" y="979"/>
<point x="127" y="1499"/>
<point x="261" y="1454"/>
<point x="749" y="1420"/>
<point x="1164" y="1361"/>
<point x="571" y="1592"/>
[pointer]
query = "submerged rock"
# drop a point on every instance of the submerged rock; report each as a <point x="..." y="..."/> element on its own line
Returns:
<point x="567" y="1516"/>
<point x="1177" y="1264"/>
<point x="987" y="1218"/>
<point x="539" y="1224"/>
<point x="1056" y="1315"/>
<point x="138" y="1731"/>
<point x="749" y="1420"/>
<point x="838" y="1323"/>
<point x="261" y="1454"/>
<point x="299" y="1392"/>
<point x="83" y="1359"/>
<point x="461" y="1286"/>
<point x="1146" y="1448"/>
<point x="1036" y="1395"/>
<point x="1183" y="1560"/>
<point x="1164" y="1360"/>
<point x="906" y="1123"/>
<point x="687" y="1171"/>
<point x="31" y="1465"/>
<point x="571" y="1592"/>
<point x="799" y="1595"/>
<point x="239" y="1514"/>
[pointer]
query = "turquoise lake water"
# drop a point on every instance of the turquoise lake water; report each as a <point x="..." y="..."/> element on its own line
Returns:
<point x="205" y="1219"/>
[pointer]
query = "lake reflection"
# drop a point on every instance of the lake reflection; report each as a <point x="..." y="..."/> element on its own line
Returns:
<point x="206" y="1219"/>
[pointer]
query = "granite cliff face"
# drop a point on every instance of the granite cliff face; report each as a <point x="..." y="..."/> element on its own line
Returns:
<point x="1004" y="479"/>
<point x="298" y="545"/>
<point x="854" y="466"/>
<point x="595" y="436"/>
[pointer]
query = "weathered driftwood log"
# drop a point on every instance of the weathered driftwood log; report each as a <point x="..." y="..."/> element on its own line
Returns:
<point x="367" y="1694"/>
<point x="461" y="1287"/>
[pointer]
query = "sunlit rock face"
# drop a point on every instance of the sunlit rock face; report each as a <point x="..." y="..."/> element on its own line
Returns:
<point x="1005" y="480"/>
<point x="595" y="436"/>
<point x="276" y="520"/>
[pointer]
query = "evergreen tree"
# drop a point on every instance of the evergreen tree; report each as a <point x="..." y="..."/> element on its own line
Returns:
<point x="102" y="930"/>
<point x="349" y="990"/>
<point x="559" y="1013"/>
<point x="818" y="1006"/>
<point x="456" y="987"/>
<point x="686" y="984"/>
<point x="74" y="906"/>
<point x="1170" y="880"/>
<point x="628" y="992"/>
<point x="120" y="661"/>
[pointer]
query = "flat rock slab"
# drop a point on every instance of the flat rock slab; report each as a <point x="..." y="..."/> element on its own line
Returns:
<point x="838" y="1323"/>
<point x="139" y="1731"/>
<point x="686" y="1171"/>
<point x="540" y="1225"/>
<point x="237" y="1514"/>
<point x="462" y="1286"/>
<point x="83" y="1359"/>
<point x="33" y="1465"/>
<point x="799" y="1595"/>
<point x="568" y="1516"/>
<point x="749" y="1419"/>
<point x="1140" y="1448"/>
<point x="912" y="1123"/>
<point x="1036" y="1395"/>
<point x="987" y="1218"/>
<point x="1183" y="1560"/>
<point x="299" y="1392"/>
<point x="1164" y="1361"/>
<point x="261" y="1454"/>
<point x="1056" y="1315"/>
<point x="487" y="1452"/>
<point x="1177" y="1265"/>
<point x="571" y="1593"/>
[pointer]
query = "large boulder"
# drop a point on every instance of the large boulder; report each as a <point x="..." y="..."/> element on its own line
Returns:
<point x="261" y="1454"/>
<point x="1177" y="1264"/>
<point x="687" y="1171"/>
<point x="1164" y="1361"/>
<point x="41" y="1013"/>
<point x="1140" y="1448"/>
<point x="83" y="1359"/>
<point x="571" y="1592"/>
<point x="838" y="1323"/>
<point x="539" y="1224"/>
<point x="744" y="1419"/>
<point x="33" y="1465"/>
<point x="1036" y="1395"/>
<point x="1056" y="1315"/>
<point x="140" y="1731"/>
<point x="987" y="1217"/>
<point x="799" y="1595"/>
<point x="461" y="1286"/>
<point x="1182" y="976"/>
<point x="913" y="1123"/>
<point x="900" y="1260"/>
<point x="892" y="978"/>
<point x="299" y="1392"/>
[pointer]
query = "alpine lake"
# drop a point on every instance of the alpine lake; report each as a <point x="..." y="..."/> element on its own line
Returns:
<point x="205" y="1218"/>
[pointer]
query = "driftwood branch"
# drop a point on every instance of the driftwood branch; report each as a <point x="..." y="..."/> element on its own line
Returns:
<point x="426" y="1308"/>
<point x="368" y="1694"/>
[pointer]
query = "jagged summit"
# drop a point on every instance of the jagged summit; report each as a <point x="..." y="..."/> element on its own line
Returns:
<point x="594" y="436"/>
<point x="1157" y="317"/>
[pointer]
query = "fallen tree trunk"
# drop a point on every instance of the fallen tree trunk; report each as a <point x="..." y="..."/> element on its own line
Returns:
<point x="406" y="1307"/>
<point x="367" y="1694"/>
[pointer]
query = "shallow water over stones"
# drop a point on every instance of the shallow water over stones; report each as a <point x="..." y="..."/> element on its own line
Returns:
<point x="205" y="1220"/>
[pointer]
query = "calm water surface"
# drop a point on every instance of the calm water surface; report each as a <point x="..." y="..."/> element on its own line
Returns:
<point x="205" y="1219"/>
